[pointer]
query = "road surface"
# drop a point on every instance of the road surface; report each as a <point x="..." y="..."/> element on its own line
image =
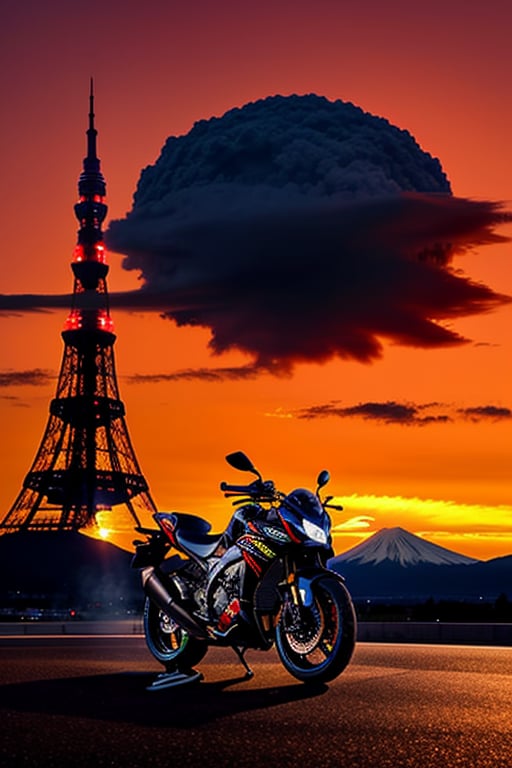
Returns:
<point x="82" y="701"/>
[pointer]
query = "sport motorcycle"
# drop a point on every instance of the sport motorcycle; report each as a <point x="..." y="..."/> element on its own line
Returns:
<point x="262" y="582"/>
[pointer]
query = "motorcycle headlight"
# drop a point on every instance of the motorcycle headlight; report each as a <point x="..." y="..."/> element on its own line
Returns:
<point x="314" y="532"/>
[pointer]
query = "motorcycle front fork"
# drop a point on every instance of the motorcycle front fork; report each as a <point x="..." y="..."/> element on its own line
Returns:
<point x="289" y="584"/>
<point x="288" y="587"/>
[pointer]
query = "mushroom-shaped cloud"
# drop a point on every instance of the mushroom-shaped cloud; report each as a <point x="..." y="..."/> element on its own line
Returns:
<point x="300" y="229"/>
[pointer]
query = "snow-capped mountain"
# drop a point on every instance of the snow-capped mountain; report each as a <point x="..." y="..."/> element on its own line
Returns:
<point x="400" y="546"/>
<point x="395" y="564"/>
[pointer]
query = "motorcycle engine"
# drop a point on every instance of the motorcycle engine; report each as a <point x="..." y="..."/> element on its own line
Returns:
<point x="224" y="589"/>
<point x="191" y="582"/>
<point x="216" y="596"/>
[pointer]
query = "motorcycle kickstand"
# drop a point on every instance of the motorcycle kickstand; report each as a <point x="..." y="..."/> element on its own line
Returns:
<point x="240" y="652"/>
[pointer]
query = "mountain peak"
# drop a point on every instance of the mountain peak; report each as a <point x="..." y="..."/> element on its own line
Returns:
<point x="404" y="548"/>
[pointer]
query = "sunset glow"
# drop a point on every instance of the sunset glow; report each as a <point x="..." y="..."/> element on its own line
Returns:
<point x="464" y="527"/>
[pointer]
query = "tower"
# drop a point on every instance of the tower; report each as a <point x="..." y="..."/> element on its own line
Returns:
<point x="85" y="462"/>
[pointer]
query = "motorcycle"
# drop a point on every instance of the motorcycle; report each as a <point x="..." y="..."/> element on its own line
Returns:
<point x="263" y="581"/>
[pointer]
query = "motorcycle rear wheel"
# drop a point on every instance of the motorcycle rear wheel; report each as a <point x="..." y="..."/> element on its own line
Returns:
<point x="315" y="643"/>
<point x="169" y="643"/>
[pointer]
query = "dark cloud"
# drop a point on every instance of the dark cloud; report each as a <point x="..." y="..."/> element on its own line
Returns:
<point x="198" y="374"/>
<point x="389" y="412"/>
<point x="33" y="377"/>
<point x="13" y="304"/>
<point x="297" y="229"/>
<point x="492" y="412"/>
<point x="408" y="414"/>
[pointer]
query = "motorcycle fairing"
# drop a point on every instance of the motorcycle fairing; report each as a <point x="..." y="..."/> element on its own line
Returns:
<point x="302" y="505"/>
<point x="256" y="552"/>
<point x="275" y="533"/>
<point x="240" y="521"/>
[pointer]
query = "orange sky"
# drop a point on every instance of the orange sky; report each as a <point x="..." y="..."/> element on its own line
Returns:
<point x="440" y="71"/>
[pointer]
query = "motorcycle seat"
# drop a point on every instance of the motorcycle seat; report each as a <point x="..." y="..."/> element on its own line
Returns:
<point x="201" y="545"/>
<point x="192" y="533"/>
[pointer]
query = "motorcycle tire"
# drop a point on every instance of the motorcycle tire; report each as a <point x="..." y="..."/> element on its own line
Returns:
<point x="315" y="643"/>
<point x="171" y="645"/>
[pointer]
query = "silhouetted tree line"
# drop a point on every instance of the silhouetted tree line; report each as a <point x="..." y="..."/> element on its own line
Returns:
<point x="499" y="610"/>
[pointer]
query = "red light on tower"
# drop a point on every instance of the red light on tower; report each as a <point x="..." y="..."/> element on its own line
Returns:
<point x="104" y="322"/>
<point x="89" y="320"/>
<point x="100" y="253"/>
<point x="73" y="321"/>
<point x="78" y="254"/>
<point x="93" y="198"/>
<point x="95" y="252"/>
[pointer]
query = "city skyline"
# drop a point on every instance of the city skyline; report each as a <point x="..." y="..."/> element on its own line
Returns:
<point x="418" y="437"/>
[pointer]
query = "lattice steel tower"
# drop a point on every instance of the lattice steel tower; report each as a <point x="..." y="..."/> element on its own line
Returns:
<point x="85" y="462"/>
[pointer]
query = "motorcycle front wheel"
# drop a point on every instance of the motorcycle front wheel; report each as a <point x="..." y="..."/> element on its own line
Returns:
<point x="171" y="645"/>
<point x="315" y="643"/>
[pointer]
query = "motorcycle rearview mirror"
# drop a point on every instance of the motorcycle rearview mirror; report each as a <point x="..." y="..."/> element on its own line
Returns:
<point x="323" y="479"/>
<point x="240" y="461"/>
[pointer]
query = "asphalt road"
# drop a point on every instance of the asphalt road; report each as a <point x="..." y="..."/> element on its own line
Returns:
<point x="82" y="701"/>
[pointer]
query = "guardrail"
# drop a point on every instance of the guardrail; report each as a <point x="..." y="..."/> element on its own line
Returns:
<point x="76" y="627"/>
<point x="437" y="632"/>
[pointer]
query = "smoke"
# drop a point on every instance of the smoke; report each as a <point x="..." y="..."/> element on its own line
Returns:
<point x="298" y="229"/>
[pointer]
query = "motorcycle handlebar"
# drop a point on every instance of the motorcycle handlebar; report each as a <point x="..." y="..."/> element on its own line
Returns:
<point x="237" y="488"/>
<point x="258" y="489"/>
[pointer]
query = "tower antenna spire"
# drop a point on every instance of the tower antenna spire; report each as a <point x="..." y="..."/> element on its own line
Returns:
<point x="91" y="162"/>
<point x="91" y="105"/>
<point x="91" y="180"/>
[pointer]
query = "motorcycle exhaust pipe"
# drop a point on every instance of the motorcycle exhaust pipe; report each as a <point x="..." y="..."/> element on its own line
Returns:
<point x="156" y="591"/>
